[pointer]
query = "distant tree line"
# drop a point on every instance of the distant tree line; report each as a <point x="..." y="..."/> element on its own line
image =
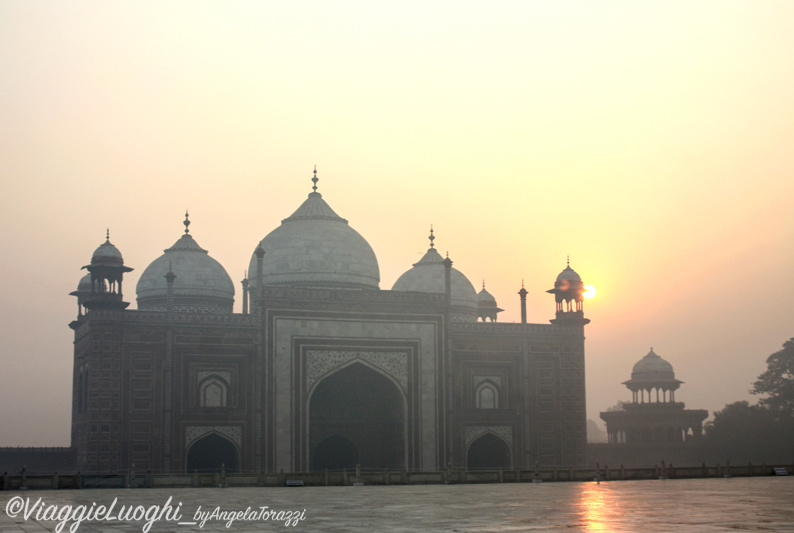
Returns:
<point x="763" y="432"/>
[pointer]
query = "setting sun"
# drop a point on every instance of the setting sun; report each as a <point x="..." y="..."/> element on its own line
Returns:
<point x="590" y="291"/>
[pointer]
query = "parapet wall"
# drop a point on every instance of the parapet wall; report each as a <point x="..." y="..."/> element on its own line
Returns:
<point x="386" y="477"/>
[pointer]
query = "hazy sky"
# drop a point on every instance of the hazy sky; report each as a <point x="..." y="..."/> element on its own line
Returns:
<point x="650" y="141"/>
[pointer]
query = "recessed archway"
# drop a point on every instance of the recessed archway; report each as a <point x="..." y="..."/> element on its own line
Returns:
<point x="357" y="409"/>
<point x="488" y="452"/>
<point x="335" y="453"/>
<point x="210" y="452"/>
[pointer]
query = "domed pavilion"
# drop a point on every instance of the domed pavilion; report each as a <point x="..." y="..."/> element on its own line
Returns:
<point x="653" y="417"/>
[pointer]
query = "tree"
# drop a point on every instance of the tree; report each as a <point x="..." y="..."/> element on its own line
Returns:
<point x="742" y="432"/>
<point x="778" y="381"/>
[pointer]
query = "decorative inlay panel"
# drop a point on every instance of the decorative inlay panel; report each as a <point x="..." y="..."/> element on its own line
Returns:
<point x="496" y="380"/>
<point x="193" y="433"/>
<point x="223" y="375"/>
<point x="321" y="362"/>
<point x="474" y="432"/>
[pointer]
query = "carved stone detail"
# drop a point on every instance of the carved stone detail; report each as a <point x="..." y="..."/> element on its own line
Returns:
<point x="200" y="376"/>
<point x="321" y="362"/>
<point x="496" y="380"/>
<point x="233" y="433"/>
<point x="474" y="432"/>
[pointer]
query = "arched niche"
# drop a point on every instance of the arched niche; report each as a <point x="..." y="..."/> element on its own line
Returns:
<point x="486" y="395"/>
<point x="213" y="391"/>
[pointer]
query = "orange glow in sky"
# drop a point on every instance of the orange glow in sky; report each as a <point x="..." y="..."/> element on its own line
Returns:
<point x="651" y="142"/>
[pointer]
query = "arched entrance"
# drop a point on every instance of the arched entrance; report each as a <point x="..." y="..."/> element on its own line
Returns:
<point x="208" y="454"/>
<point x="335" y="453"/>
<point x="488" y="452"/>
<point x="356" y="414"/>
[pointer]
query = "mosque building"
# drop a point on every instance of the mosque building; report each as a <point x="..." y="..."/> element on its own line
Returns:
<point x="322" y="368"/>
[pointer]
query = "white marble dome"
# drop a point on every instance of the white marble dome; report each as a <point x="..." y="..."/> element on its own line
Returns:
<point x="315" y="247"/>
<point x="428" y="275"/>
<point x="652" y="368"/>
<point x="201" y="283"/>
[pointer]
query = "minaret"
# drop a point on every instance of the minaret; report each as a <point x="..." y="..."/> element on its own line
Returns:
<point x="260" y="276"/>
<point x="245" y="293"/>
<point x="107" y="271"/>
<point x="523" y="295"/>
<point x="447" y="274"/>
<point x="567" y="291"/>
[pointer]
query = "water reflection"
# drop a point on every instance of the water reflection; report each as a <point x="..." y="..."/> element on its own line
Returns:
<point x="596" y="502"/>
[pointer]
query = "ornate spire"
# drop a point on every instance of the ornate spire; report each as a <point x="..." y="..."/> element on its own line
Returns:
<point x="186" y="223"/>
<point x="107" y="235"/>
<point x="568" y="261"/>
<point x="315" y="179"/>
<point x="432" y="237"/>
<point x="483" y="284"/>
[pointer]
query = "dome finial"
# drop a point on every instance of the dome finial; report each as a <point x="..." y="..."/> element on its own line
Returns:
<point x="315" y="179"/>
<point x="432" y="237"/>
<point x="483" y="284"/>
<point x="107" y="235"/>
<point x="522" y="283"/>
<point x="568" y="261"/>
<point x="186" y="223"/>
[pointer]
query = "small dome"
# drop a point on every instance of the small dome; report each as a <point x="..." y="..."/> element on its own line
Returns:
<point x="486" y="305"/>
<point x="85" y="284"/>
<point x="568" y="274"/>
<point x="428" y="275"/>
<point x="201" y="283"/>
<point x="315" y="247"/>
<point x="652" y="368"/>
<point x="107" y="254"/>
<point x="84" y="288"/>
<point x="485" y="298"/>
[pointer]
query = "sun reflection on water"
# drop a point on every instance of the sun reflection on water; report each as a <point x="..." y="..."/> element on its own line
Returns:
<point x="596" y="506"/>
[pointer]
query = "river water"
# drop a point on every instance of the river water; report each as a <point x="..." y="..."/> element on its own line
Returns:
<point x="697" y="505"/>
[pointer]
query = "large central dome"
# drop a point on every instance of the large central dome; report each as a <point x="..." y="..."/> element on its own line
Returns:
<point x="315" y="247"/>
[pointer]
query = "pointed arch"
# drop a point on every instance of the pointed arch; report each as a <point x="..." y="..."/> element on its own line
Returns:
<point x="213" y="391"/>
<point x="486" y="395"/>
<point x="212" y="451"/>
<point x="489" y="451"/>
<point x="360" y="404"/>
